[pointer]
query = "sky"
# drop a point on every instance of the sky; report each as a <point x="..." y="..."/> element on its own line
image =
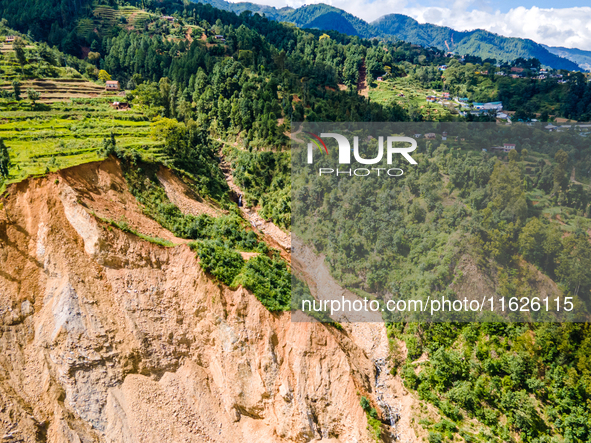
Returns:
<point x="565" y="23"/>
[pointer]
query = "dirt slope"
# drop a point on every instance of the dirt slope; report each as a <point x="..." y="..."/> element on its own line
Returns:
<point x="108" y="338"/>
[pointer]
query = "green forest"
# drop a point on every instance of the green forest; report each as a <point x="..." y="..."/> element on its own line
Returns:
<point x="460" y="216"/>
<point x="398" y="27"/>
<point x="207" y="84"/>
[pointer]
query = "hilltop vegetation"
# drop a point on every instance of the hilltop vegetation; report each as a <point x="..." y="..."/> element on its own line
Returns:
<point x="579" y="56"/>
<point x="70" y="25"/>
<point x="477" y="43"/>
<point x="319" y="16"/>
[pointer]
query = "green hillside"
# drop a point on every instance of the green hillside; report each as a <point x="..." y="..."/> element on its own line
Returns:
<point x="318" y="16"/>
<point x="44" y="19"/>
<point x="327" y="17"/>
<point x="238" y="8"/>
<point x="477" y="43"/>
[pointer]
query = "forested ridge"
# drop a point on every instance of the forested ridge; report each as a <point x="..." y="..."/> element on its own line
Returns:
<point x="519" y="217"/>
<point x="479" y="43"/>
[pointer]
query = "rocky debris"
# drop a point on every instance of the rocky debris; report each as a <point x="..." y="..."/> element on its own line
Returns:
<point x="369" y="337"/>
<point x="390" y="411"/>
<point x="268" y="228"/>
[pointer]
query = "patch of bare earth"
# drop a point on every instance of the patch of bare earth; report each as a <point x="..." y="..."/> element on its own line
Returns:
<point x="362" y="88"/>
<point x="183" y="196"/>
<point x="100" y="189"/>
<point x="188" y="35"/>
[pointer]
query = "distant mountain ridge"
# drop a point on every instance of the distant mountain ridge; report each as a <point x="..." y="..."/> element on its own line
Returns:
<point x="320" y="16"/>
<point x="579" y="56"/>
<point x="479" y="42"/>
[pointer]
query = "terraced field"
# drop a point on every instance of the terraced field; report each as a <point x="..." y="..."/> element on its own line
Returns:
<point x="68" y="124"/>
<point x="106" y="19"/>
<point x="404" y="92"/>
<point x="6" y="48"/>
<point x="134" y="16"/>
<point x="62" y="89"/>
<point x="70" y="133"/>
<point x="73" y="117"/>
<point x="55" y="84"/>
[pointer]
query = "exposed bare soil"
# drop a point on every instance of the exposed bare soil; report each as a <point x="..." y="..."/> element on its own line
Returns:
<point x="105" y="337"/>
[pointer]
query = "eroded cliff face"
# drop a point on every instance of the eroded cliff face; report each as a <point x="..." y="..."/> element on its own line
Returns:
<point x="107" y="337"/>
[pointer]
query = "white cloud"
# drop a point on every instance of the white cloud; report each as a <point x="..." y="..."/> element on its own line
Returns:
<point x="569" y="27"/>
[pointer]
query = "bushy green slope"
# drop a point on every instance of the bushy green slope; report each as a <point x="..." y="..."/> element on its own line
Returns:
<point x="458" y="218"/>
<point x="52" y="20"/>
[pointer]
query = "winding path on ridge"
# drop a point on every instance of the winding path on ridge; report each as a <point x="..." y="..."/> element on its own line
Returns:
<point x="362" y="88"/>
<point x="272" y="234"/>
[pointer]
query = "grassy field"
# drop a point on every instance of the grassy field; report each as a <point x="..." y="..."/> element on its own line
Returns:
<point x="69" y="133"/>
<point x="406" y="93"/>
<point x="69" y="122"/>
